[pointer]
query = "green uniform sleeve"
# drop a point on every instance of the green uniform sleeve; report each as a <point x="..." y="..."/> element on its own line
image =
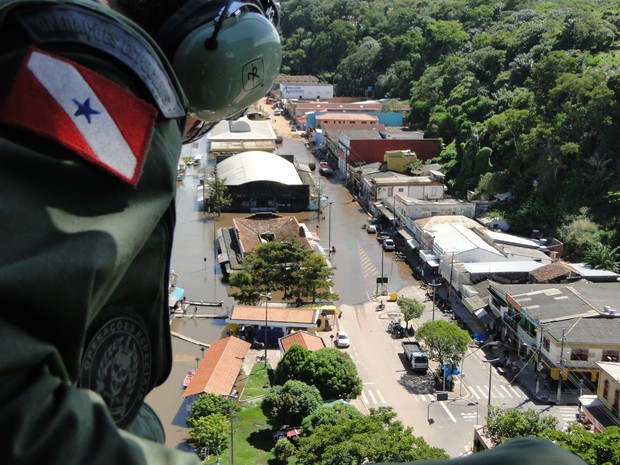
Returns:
<point x="45" y="419"/>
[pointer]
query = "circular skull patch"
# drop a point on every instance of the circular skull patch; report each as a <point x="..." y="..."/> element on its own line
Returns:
<point x="117" y="365"/>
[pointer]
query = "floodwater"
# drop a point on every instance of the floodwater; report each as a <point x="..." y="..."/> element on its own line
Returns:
<point x="358" y="261"/>
<point x="194" y="259"/>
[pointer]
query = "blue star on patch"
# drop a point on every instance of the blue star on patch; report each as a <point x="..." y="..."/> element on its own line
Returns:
<point x="84" y="109"/>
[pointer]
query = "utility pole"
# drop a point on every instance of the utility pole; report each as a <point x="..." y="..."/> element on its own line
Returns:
<point x="561" y="369"/>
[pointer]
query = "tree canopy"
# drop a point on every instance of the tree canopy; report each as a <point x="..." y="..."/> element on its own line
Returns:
<point x="208" y="404"/>
<point x="290" y="404"/>
<point x="411" y="308"/>
<point x="375" y="438"/>
<point x="286" y="266"/>
<point x="333" y="373"/>
<point x="525" y="96"/>
<point x="445" y="340"/>
<point x="505" y="424"/>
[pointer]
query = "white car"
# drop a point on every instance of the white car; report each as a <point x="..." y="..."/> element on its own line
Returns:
<point x="342" y="339"/>
<point x="388" y="245"/>
<point x="371" y="229"/>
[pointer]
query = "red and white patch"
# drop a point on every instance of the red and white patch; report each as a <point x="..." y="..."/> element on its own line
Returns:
<point x="82" y="110"/>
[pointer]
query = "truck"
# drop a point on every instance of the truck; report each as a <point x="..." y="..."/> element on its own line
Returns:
<point x="415" y="356"/>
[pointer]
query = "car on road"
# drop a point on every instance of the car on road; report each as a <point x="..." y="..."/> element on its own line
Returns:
<point x="371" y="229"/>
<point x="388" y="245"/>
<point x="381" y="237"/>
<point x="342" y="339"/>
<point x="325" y="169"/>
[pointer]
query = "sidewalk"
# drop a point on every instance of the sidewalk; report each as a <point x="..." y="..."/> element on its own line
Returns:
<point x="535" y="387"/>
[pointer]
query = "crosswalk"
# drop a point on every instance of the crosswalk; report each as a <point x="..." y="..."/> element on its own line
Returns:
<point x="374" y="398"/>
<point x="367" y="266"/>
<point x="566" y="415"/>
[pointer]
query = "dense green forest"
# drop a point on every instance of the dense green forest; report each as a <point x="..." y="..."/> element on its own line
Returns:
<point x="525" y="95"/>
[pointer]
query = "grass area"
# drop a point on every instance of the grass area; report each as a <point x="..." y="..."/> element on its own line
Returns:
<point x="257" y="384"/>
<point x="252" y="435"/>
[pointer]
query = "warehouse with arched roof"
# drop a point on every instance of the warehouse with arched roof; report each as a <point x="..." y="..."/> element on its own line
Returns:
<point x="263" y="181"/>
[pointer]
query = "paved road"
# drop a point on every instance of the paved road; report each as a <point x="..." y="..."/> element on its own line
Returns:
<point x="359" y="260"/>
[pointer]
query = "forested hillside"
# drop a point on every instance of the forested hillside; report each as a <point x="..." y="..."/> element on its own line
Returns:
<point x="524" y="94"/>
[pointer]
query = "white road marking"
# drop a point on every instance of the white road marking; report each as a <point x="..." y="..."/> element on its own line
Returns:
<point x="443" y="406"/>
<point x="484" y="390"/>
<point x="364" y="399"/>
<point x="374" y="401"/>
<point x="380" y="397"/>
<point x="507" y="391"/>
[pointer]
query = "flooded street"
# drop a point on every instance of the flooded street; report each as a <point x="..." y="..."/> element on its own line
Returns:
<point x="195" y="261"/>
<point x="359" y="261"/>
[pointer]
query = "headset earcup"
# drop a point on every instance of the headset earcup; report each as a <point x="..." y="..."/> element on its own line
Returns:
<point x="221" y="82"/>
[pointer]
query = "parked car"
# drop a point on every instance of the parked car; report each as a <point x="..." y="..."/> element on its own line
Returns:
<point x="381" y="237"/>
<point x="325" y="169"/>
<point x="388" y="245"/>
<point x="371" y="229"/>
<point x="342" y="339"/>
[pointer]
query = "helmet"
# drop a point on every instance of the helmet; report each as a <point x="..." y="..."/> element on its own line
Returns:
<point x="226" y="54"/>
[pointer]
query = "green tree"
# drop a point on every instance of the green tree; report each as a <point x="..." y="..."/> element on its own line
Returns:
<point x="579" y="234"/>
<point x="333" y="373"/>
<point x="290" y="365"/>
<point x="594" y="449"/>
<point x="290" y="404"/>
<point x="411" y="308"/>
<point x="284" y="450"/>
<point x="286" y="266"/>
<point x="207" y="404"/>
<point x="211" y="432"/>
<point x="444" y="340"/>
<point x="328" y="415"/>
<point x="505" y="424"/>
<point x="218" y="195"/>
<point x="375" y="438"/>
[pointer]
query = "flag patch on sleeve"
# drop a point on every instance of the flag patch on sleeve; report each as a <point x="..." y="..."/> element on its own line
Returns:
<point x="82" y="110"/>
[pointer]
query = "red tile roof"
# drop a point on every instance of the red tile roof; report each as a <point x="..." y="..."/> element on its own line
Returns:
<point x="219" y="368"/>
<point x="303" y="339"/>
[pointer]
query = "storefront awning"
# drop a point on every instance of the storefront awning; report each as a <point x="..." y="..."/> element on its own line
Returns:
<point x="385" y="212"/>
<point x="428" y="255"/>
<point x="413" y="244"/>
<point x="483" y="316"/>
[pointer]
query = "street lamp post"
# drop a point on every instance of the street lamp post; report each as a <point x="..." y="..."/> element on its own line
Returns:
<point x="488" y="344"/>
<point x="490" y="362"/>
<point x="231" y="397"/>
<point x="267" y="298"/>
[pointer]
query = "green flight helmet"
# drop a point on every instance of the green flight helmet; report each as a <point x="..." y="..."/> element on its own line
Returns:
<point x="228" y="64"/>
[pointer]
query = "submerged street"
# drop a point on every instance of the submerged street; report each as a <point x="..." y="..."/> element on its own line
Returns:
<point x="359" y="260"/>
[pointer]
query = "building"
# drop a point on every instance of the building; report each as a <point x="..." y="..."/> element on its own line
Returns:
<point x="602" y="410"/>
<point x="248" y="233"/>
<point x="354" y="147"/>
<point x="304" y="87"/>
<point x="262" y="181"/>
<point x="307" y="341"/>
<point x="565" y="327"/>
<point x="242" y="135"/>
